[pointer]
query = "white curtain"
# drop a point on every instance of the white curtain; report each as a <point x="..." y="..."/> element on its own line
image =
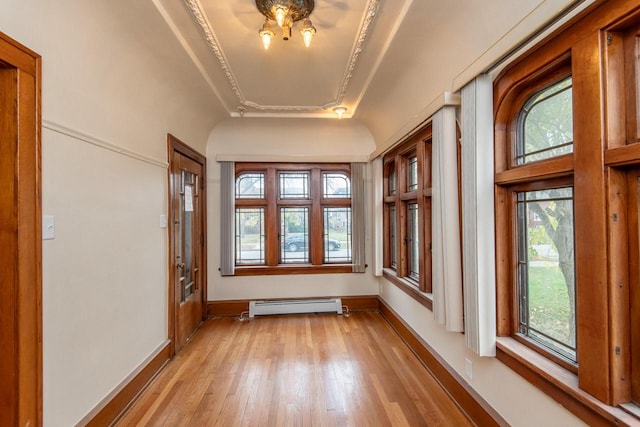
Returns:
<point x="447" y="274"/>
<point x="227" y="218"/>
<point x="358" y="219"/>
<point x="478" y="216"/>
<point x="378" y="224"/>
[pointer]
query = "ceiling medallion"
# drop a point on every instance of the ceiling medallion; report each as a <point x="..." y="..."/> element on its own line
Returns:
<point x="285" y="13"/>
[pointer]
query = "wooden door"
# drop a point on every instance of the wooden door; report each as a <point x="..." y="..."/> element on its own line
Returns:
<point x="187" y="263"/>
<point x="20" y="237"/>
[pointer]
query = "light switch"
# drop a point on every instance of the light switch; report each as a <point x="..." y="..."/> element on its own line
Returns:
<point x="48" y="227"/>
<point x="163" y="221"/>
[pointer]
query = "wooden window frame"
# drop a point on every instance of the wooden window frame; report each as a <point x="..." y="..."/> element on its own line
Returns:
<point x="594" y="45"/>
<point x="272" y="204"/>
<point x="395" y="162"/>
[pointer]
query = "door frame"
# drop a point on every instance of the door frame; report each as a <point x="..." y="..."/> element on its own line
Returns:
<point x="175" y="145"/>
<point x="21" y="236"/>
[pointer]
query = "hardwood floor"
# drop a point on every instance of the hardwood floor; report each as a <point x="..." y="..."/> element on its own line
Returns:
<point x="306" y="370"/>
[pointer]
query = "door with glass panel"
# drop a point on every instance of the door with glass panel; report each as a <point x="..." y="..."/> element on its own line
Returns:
<point x="187" y="269"/>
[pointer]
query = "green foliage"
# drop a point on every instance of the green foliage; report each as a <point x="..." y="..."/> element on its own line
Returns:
<point x="549" y="121"/>
<point x="549" y="303"/>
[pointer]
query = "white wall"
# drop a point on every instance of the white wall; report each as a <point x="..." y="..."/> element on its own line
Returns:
<point x="114" y="77"/>
<point x="444" y="46"/>
<point x="284" y="140"/>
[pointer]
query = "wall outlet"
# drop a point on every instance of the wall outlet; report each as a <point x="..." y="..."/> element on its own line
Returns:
<point x="468" y="368"/>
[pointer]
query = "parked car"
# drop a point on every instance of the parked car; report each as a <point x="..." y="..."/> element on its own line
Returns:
<point x="299" y="242"/>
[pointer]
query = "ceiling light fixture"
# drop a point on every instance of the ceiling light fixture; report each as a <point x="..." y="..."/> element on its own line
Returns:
<point x="285" y="13"/>
<point x="339" y="111"/>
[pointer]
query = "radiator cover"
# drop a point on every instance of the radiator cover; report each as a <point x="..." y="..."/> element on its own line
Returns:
<point x="321" y="305"/>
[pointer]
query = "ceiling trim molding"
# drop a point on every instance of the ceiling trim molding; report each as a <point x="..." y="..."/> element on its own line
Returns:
<point x="196" y="10"/>
<point x="201" y="20"/>
<point x="372" y="10"/>
<point x="276" y="158"/>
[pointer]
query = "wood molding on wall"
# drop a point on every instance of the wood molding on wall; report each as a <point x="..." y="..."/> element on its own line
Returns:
<point x="116" y="402"/>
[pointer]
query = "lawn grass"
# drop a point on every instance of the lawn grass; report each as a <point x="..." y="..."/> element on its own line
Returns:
<point x="549" y="308"/>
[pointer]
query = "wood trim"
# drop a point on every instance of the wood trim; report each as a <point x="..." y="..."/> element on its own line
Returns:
<point x="410" y="290"/>
<point x="623" y="156"/>
<point x="560" y="384"/>
<point x="21" y="235"/>
<point x="469" y="401"/>
<point x="237" y="307"/>
<point x="593" y="330"/>
<point x="620" y="238"/>
<point x="116" y="403"/>
<point x="551" y="168"/>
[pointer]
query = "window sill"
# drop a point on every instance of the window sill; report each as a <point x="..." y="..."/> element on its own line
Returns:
<point x="558" y="383"/>
<point x="423" y="298"/>
<point x="293" y="269"/>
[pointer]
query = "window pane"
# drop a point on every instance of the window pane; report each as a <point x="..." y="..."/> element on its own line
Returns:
<point x="294" y="235"/>
<point x="336" y="185"/>
<point x="337" y="235"/>
<point x="250" y="186"/>
<point x="546" y="124"/>
<point x="414" y="241"/>
<point x="412" y="174"/>
<point x="546" y="269"/>
<point x="393" y="227"/>
<point x="250" y="236"/>
<point x="294" y="185"/>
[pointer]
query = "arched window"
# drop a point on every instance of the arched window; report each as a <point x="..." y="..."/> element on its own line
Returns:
<point x="545" y="124"/>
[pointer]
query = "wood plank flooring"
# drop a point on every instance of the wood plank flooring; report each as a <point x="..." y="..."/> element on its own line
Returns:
<point x="304" y="370"/>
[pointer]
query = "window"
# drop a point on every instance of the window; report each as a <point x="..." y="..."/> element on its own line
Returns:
<point x="250" y="236"/>
<point x="567" y="162"/>
<point x="407" y="215"/>
<point x="543" y="217"/>
<point x="546" y="271"/>
<point x="546" y="124"/>
<point x="292" y="218"/>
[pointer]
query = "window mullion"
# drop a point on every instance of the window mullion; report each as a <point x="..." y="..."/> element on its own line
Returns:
<point x="272" y="229"/>
<point x="316" y="222"/>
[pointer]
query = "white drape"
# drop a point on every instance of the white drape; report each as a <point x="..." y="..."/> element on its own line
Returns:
<point x="478" y="216"/>
<point x="227" y="218"/>
<point x="358" y="219"/>
<point x="378" y="216"/>
<point x="447" y="275"/>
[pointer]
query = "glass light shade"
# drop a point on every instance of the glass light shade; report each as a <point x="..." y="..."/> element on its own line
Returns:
<point x="307" y="31"/>
<point x="280" y="13"/>
<point x="266" y="34"/>
<point x="339" y="111"/>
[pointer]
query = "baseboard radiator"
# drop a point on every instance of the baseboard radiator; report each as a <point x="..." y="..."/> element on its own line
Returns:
<point x="324" y="305"/>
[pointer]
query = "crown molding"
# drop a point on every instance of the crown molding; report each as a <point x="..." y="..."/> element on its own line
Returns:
<point x="201" y="20"/>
